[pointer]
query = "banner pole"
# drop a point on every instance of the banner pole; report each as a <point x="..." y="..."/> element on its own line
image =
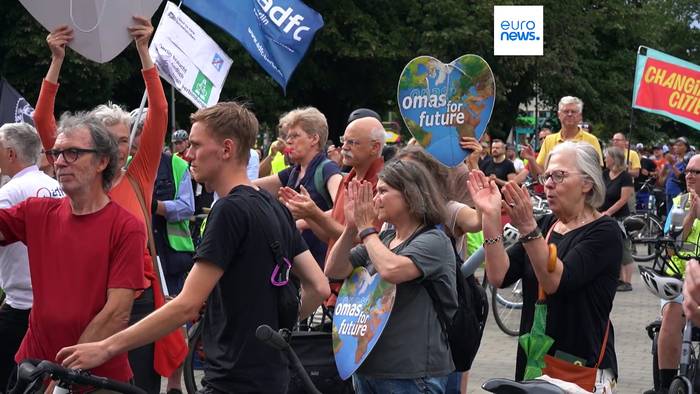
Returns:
<point x="136" y="122"/>
<point x="629" y="136"/>
<point x="172" y="110"/>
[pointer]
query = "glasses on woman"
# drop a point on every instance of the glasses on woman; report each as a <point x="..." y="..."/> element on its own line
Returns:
<point x="69" y="155"/>
<point x="557" y="176"/>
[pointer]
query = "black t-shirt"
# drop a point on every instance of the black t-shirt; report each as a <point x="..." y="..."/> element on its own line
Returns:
<point x="578" y="313"/>
<point x="501" y="170"/>
<point x="613" y="191"/>
<point x="244" y="298"/>
<point x="646" y="165"/>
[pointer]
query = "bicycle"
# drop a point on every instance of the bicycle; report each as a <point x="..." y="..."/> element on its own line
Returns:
<point x="31" y="375"/>
<point x="311" y="330"/>
<point x="644" y="225"/>
<point x="665" y="281"/>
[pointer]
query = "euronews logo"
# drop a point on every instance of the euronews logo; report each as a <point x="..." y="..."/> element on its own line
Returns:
<point x="518" y="30"/>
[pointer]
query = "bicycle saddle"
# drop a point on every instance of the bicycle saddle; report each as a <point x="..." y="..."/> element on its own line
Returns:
<point x="508" y="386"/>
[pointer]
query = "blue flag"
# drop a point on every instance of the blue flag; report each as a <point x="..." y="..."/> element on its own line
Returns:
<point x="276" y="33"/>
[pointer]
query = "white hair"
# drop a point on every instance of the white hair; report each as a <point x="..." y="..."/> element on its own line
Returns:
<point x="23" y="138"/>
<point x="378" y="134"/>
<point x="571" y="100"/>
<point x="111" y="114"/>
<point x="588" y="163"/>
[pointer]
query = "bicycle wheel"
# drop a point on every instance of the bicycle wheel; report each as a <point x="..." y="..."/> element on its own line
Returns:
<point x="680" y="385"/>
<point x="507" y="306"/>
<point x="194" y="362"/>
<point x="642" y="227"/>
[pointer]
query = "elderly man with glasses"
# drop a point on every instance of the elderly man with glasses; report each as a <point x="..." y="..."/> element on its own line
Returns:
<point x="85" y="251"/>
<point x="570" y="115"/>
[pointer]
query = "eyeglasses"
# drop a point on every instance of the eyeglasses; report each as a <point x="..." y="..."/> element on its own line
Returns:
<point x="350" y="142"/>
<point x="557" y="176"/>
<point x="292" y="136"/>
<point x="69" y="155"/>
<point x="691" y="171"/>
<point x="570" y="112"/>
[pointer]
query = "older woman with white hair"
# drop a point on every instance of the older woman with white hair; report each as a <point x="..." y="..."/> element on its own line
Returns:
<point x="581" y="287"/>
<point x="619" y="187"/>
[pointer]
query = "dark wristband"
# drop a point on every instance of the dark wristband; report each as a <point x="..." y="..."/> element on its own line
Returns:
<point x="531" y="236"/>
<point x="366" y="233"/>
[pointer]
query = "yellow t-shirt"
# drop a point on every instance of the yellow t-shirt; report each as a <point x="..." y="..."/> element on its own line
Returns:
<point x="553" y="140"/>
<point x="634" y="162"/>
<point x="278" y="163"/>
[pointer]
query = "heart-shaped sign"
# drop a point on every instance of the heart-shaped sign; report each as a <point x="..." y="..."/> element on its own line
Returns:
<point x="442" y="102"/>
<point x="99" y="26"/>
<point x="361" y="312"/>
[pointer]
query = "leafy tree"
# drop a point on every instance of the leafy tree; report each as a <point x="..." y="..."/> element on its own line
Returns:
<point x="356" y="58"/>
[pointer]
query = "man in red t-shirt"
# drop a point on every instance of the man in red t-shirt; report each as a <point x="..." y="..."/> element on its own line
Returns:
<point x="85" y="252"/>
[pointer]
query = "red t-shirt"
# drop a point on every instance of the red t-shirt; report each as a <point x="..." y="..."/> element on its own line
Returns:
<point x="73" y="260"/>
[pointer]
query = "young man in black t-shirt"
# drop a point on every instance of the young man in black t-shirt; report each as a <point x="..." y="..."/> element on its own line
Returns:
<point x="232" y="270"/>
<point x="497" y="165"/>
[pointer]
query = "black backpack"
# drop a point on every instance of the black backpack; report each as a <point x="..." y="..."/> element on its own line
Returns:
<point x="287" y="289"/>
<point x="465" y="329"/>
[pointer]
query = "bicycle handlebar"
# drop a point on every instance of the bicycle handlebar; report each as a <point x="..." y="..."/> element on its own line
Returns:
<point x="31" y="370"/>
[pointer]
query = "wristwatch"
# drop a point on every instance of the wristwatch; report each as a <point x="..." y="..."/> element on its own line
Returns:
<point x="366" y="233"/>
<point x="532" y="235"/>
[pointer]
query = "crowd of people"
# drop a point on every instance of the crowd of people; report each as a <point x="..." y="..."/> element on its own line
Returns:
<point x="113" y="216"/>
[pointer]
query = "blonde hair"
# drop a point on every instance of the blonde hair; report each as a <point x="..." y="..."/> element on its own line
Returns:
<point x="230" y="120"/>
<point x="309" y="119"/>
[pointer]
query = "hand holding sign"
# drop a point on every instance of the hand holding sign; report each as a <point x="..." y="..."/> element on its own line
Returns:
<point x="442" y="102"/>
<point x="58" y="39"/>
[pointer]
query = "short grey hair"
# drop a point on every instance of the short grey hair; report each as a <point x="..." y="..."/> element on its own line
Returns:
<point x="309" y="119"/>
<point x="23" y="138"/>
<point x="571" y="100"/>
<point x="378" y="134"/>
<point x="618" y="156"/>
<point x="588" y="163"/>
<point x="111" y="114"/>
<point x="102" y="141"/>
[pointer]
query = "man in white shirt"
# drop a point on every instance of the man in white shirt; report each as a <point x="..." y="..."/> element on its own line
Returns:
<point x="20" y="148"/>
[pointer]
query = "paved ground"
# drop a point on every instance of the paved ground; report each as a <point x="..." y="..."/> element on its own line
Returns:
<point x="632" y="311"/>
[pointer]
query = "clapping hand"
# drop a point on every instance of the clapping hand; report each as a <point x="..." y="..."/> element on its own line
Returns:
<point x="299" y="204"/>
<point x="362" y="198"/>
<point x="691" y="291"/>
<point x="526" y="152"/>
<point x="519" y="207"/>
<point x="484" y="192"/>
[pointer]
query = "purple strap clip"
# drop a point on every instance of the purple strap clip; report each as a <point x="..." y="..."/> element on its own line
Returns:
<point x="280" y="277"/>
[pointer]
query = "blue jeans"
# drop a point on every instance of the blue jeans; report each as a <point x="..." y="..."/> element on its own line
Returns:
<point x="425" y="385"/>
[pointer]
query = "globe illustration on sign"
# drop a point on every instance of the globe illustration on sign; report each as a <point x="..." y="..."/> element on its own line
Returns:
<point x="440" y="103"/>
<point x="361" y="312"/>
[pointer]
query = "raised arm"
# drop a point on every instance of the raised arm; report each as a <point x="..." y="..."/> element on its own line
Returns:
<point x="145" y="163"/>
<point x="487" y="199"/>
<point x="44" y="112"/>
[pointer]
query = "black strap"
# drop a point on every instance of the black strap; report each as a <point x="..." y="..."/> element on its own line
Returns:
<point x="273" y="242"/>
<point x="429" y="287"/>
